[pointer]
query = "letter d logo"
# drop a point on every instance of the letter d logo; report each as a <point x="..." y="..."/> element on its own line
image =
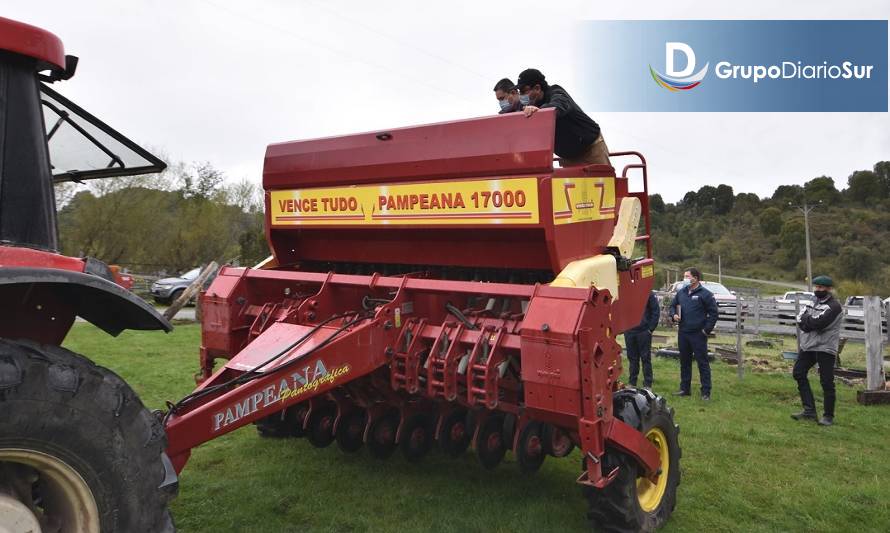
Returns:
<point x="670" y="50"/>
<point x="678" y="80"/>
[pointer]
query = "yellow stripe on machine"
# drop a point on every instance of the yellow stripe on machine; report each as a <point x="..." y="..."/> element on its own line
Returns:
<point x="582" y="199"/>
<point x="495" y="201"/>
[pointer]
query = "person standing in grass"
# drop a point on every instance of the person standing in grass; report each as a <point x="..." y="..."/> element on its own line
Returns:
<point x="695" y="309"/>
<point x="820" y="332"/>
<point x="638" y="341"/>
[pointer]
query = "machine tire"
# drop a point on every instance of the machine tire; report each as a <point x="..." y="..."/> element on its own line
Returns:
<point x="455" y="434"/>
<point x="58" y="410"/>
<point x="382" y="435"/>
<point x="619" y="506"/>
<point x="320" y="426"/>
<point x="557" y="443"/>
<point x="530" y="453"/>
<point x="351" y="430"/>
<point x="417" y="437"/>
<point x="273" y="426"/>
<point x="490" y="442"/>
<point x="283" y="424"/>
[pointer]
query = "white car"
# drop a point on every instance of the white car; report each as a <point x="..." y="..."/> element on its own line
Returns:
<point x="854" y="309"/>
<point x="725" y="298"/>
<point x="788" y="297"/>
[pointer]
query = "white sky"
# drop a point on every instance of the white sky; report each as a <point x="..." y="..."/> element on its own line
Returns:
<point x="218" y="80"/>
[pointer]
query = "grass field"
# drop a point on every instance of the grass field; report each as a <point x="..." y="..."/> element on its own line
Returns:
<point x="746" y="465"/>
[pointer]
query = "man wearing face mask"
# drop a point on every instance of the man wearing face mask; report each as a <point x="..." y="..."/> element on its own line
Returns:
<point x="695" y="309"/>
<point x="578" y="140"/>
<point x="508" y="97"/>
<point x="820" y="332"/>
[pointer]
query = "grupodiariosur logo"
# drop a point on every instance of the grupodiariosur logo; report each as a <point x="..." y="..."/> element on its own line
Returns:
<point x="678" y="80"/>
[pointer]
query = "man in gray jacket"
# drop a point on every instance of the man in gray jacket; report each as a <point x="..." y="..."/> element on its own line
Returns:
<point x="820" y="331"/>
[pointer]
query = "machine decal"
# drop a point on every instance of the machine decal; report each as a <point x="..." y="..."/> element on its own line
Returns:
<point x="498" y="201"/>
<point x="305" y="380"/>
<point x="582" y="199"/>
<point x="647" y="271"/>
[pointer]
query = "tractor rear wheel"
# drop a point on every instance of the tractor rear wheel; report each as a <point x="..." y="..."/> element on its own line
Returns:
<point x="632" y="502"/>
<point x="78" y="450"/>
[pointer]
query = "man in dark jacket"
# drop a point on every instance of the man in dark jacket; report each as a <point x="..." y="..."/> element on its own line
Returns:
<point x="509" y="99"/>
<point x="578" y="139"/>
<point x="639" y="343"/>
<point x="695" y="308"/>
<point x="820" y="331"/>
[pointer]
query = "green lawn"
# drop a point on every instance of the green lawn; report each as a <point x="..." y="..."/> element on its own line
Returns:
<point x="746" y="465"/>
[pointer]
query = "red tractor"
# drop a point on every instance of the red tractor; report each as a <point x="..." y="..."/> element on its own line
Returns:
<point x="439" y="286"/>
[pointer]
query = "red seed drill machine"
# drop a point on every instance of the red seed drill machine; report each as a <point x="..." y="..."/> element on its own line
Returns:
<point x="440" y="286"/>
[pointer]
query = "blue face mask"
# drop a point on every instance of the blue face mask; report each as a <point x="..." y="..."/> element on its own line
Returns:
<point x="686" y="282"/>
<point x="505" y="105"/>
<point x="523" y="99"/>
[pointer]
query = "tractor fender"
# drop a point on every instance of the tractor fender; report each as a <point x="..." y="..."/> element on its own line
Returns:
<point x="103" y="303"/>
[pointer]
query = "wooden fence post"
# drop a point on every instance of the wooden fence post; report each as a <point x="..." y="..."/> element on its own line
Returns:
<point x="797" y="329"/>
<point x="190" y="291"/>
<point x="757" y="316"/>
<point x="875" y="383"/>
<point x="874" y="347"/>
<point x="738" y="336"/>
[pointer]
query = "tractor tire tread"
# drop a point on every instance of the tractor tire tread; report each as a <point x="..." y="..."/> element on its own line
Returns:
<point x="616" y="507"/>
<point x="60" y="403"/>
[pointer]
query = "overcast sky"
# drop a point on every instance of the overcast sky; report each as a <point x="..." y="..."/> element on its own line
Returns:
<point x="218" y="80"/>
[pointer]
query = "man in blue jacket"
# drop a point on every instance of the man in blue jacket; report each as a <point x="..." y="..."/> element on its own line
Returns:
<point x="695" y="308"/>
<point x="638" y="341"/>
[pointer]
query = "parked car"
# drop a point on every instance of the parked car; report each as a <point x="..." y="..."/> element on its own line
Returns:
<point x="726" y="299"/>
<point x="788" y="298"/>
<point x="165" y="291"/>
<point x="854" y="309"/>
<point x="787" y="308"/>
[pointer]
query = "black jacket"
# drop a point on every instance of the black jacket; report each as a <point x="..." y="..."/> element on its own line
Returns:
<point x="650" y="316"/>
<point x="820" y="326"/>
<point x="575" y="131"/>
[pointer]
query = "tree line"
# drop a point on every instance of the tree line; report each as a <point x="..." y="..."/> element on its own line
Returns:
<point x="188" y="215"/>
<point x="764" y="237"/>
<point x="163" y="223"/>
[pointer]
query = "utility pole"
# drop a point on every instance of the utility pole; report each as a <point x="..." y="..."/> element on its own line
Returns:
<point x="720" y="268"/>
<point x="805" y="209"/>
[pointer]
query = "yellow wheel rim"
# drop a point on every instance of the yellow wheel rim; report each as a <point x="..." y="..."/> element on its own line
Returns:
<point x="67" y="505"/>
<point x="650" y="494"/>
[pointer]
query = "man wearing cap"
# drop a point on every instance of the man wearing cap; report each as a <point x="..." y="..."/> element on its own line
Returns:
<point x="508" y="97"/>
<point x="820" y="332"/>
<point x="578" y="139"/>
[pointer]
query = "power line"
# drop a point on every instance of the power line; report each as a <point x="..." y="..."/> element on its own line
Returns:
<point x="244" y="16"/>
<point x="399" y="41"/>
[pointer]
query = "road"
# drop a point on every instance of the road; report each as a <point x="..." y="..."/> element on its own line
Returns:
<point x="186" y="313"/>
<point x="783" y="284"/>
